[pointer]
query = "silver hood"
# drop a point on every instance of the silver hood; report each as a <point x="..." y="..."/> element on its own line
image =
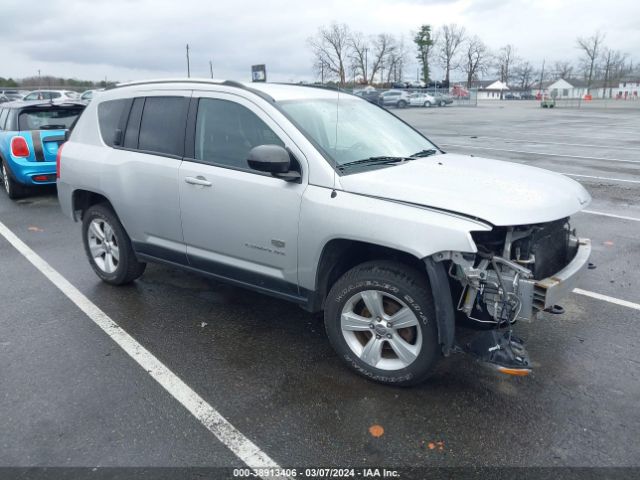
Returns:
<point x="501" y="193"/>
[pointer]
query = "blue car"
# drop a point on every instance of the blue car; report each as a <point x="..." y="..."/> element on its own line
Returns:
<point x="30" y="135"/>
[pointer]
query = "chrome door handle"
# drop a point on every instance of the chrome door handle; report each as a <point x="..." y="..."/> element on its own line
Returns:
<point x="199" y="180"/>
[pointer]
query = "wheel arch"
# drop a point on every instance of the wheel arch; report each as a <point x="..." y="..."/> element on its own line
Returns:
<point x="82" y="200"/>
<point x="340" y="255"/>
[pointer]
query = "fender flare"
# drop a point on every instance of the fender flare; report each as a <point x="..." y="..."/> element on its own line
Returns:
<point x="443" y="303"/>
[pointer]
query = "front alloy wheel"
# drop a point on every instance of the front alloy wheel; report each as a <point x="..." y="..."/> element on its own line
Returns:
<point x="381" y="330"/>
<point x="380" y="319"/>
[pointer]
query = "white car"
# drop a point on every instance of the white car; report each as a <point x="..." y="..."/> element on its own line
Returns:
<point x="51" y="95"/>
<point x="420" y="99"/>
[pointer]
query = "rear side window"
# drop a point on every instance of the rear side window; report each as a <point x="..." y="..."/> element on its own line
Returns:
<point x="48" y="119"/>
<point x="109" y="115"/>
<point x="163" y="125"/>
<point x="4" y="113"/>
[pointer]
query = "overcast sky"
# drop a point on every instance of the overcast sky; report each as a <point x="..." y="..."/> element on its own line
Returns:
<point x="136" y="39"/>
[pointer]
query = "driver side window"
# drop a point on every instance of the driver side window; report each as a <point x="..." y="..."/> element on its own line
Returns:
<point x="227" y="131"/>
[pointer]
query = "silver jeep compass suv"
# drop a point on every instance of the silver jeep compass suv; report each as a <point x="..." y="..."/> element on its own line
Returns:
<point x="324" y="199"/>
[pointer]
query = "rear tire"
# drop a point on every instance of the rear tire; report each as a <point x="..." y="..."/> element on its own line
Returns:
<point x="380" y="319"/>
<point x="108" y="247"/>
<point x="402" y="104"/>
<point x="14" y="189"/>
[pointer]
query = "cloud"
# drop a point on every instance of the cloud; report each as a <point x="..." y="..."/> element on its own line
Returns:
<point x="131" y="39"/>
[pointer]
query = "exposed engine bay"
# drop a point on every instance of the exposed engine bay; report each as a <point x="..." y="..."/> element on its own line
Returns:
<point x="500" y="282"/>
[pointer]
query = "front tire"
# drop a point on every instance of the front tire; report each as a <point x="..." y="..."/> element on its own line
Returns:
<point x="427" y="104"/>
<point x="14" y="189"/>
<point x="380" y="319"/>
<point x="108" y="247"/>
<point x="402" y="104"/>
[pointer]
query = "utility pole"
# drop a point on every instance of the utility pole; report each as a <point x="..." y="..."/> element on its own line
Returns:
<point x="541" y="77"/>
<point x="39" y="81"/>
<point x="211" y="68"/>
<point x="188" y="65"/>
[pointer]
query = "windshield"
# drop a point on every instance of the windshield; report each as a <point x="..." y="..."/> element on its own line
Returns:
<point x="357" y="130"/>
<point x="58" y="118"/>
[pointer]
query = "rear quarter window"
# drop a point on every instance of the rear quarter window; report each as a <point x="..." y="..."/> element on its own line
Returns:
<point x="109" y="115"/>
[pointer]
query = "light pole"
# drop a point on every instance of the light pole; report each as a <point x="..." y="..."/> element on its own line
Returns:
<point x="211" y="68"/>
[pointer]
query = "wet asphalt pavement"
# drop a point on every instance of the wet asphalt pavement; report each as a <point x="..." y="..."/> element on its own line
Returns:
<point x="70" y="396"/>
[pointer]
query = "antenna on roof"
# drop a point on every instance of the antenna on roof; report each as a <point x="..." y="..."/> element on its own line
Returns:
<point x="188" y="65"/>
<point x="335" y="166"/>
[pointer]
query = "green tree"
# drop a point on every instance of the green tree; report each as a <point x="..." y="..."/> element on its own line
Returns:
<point x="424" y="42"/>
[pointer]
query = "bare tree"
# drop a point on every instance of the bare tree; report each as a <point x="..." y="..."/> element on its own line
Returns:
<point x="505" y="60"/>
<point x="449" y="39"/>
<point x="562" y="69"/>
<point x="525" y="75"/>
<point x="395" y="60"/>
<point x="332" y="49"/>
<point x="476" y="59"/>
<point x="590" y="50"/>
<point x="613" y="66"/>
<point x="359" y="55"/>
<point x="383" y="45"/>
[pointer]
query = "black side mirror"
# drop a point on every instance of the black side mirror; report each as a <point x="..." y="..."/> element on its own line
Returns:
<point x="273" y="159"/>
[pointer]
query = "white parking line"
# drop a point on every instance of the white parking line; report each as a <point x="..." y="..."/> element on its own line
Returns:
<point x="607" y="298"/>
<point x="472" y="147"/>
<point x="600" y="178"/>
<point x="479" y="136"/>
<point x="208" y="416"/>
<point x="612" y="215"/>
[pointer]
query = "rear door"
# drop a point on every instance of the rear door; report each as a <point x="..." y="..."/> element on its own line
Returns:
<point x="140" y="174"/>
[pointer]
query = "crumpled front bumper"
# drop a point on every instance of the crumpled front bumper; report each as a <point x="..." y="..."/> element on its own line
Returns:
<point x="549" y="291"/>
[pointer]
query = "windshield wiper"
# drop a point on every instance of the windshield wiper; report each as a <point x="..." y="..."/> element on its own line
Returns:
<point x="382" y="160"/>
<point x="424" y="153"/>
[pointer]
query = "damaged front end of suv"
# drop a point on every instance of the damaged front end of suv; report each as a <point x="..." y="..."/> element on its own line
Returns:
<point x="516" y="273"/>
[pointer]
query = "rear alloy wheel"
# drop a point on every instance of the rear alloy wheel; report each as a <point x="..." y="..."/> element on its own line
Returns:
<point x="14" y="189"/>
<point x="380" y="319"/>
<point x="443" y="103"/>
<point x="108" y="247"/>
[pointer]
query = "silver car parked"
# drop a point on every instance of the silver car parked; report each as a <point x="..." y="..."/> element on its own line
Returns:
<point x="323" y="199"/>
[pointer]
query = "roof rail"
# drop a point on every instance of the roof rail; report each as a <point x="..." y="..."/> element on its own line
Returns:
<point x="205" y="81"/>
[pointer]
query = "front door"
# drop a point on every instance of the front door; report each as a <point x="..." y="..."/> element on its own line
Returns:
<point x="238" y="223"/>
